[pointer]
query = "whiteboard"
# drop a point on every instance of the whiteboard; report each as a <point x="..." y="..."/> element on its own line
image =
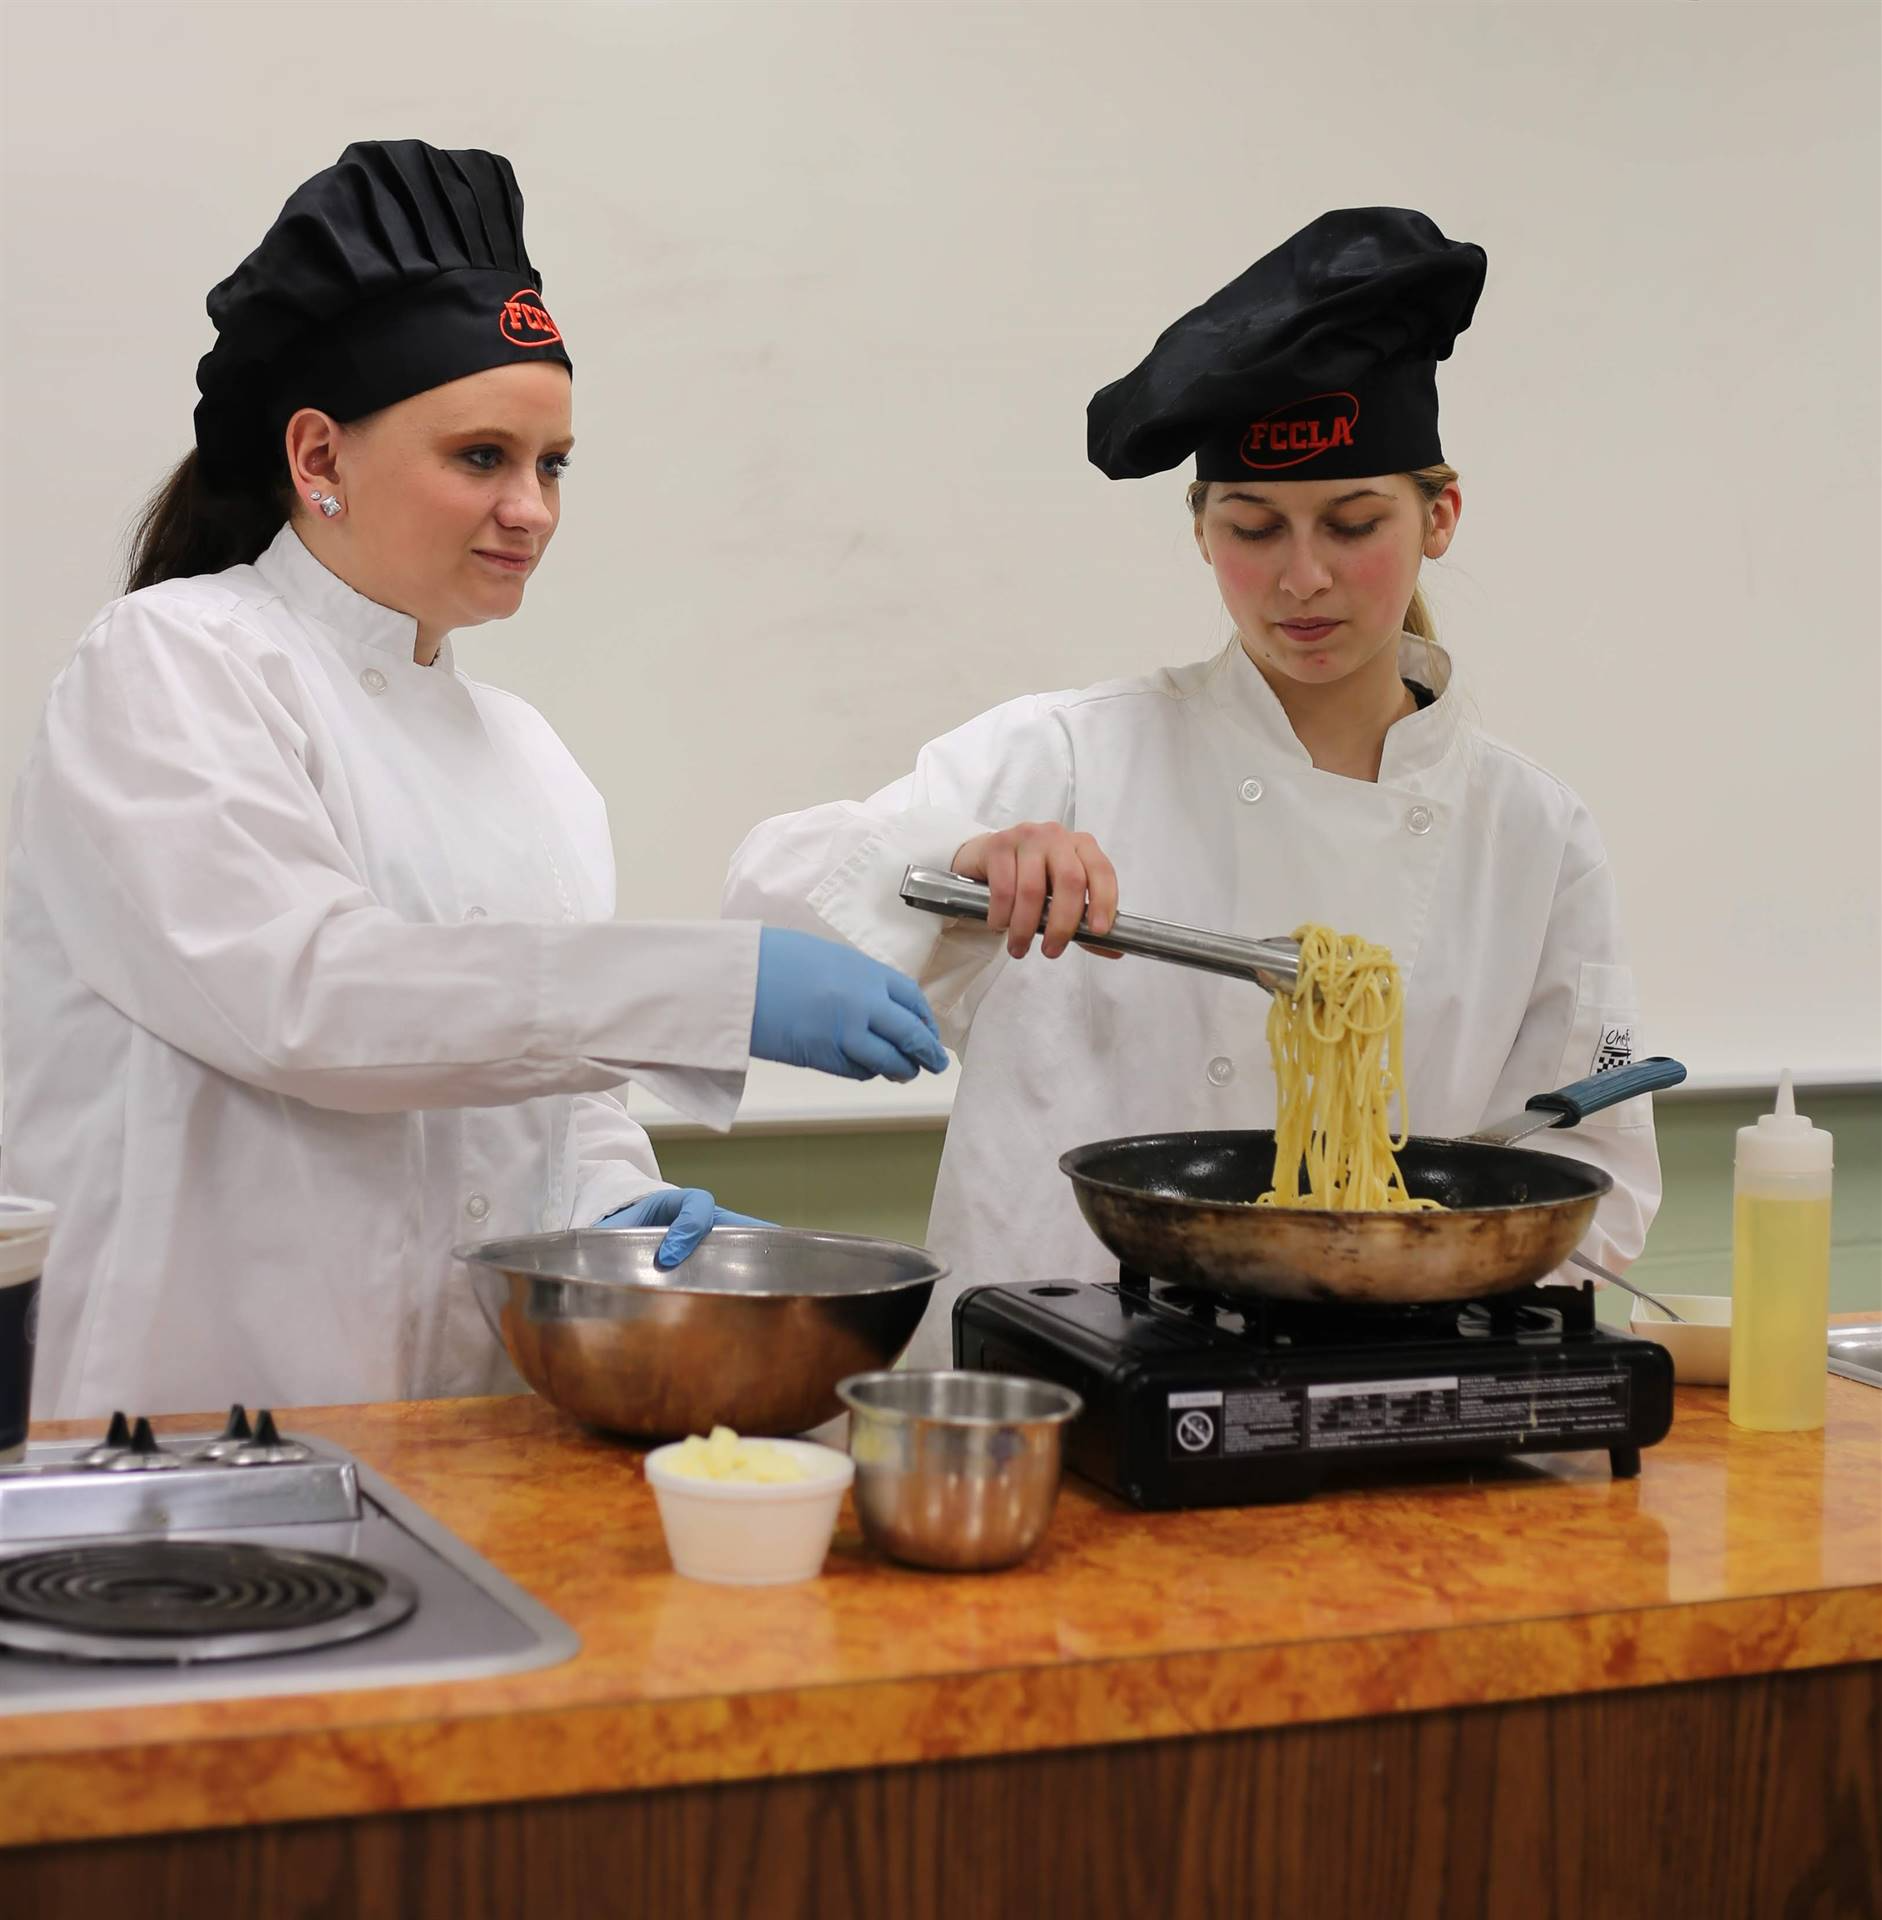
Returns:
<point x="838" y="281"/>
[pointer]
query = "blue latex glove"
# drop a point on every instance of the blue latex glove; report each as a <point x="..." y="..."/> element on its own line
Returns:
<point x="687" y="1213"/>
<point x="824" y="1005"/>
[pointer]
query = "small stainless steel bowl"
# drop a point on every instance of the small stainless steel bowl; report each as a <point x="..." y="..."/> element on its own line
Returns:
<point x="753" y="1330"/>
<point x="956" y="1470"/>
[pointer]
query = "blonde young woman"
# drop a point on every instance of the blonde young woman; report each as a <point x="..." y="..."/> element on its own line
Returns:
<point x="1318" y="768"/>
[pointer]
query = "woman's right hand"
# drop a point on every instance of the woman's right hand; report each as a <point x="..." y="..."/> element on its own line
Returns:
<point x="824" y="1005"/>
<point x="1023" y="866"/>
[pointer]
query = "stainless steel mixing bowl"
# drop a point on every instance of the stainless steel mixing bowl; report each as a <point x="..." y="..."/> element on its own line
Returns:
<point x="753" y="1331"/>
<point x="956" y="1470"/>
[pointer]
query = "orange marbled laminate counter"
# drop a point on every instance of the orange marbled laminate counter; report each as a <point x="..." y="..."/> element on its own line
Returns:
<point x="1731" y="1554"/>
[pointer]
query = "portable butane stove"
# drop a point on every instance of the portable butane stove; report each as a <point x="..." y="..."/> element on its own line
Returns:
<point x="1194" y="1399"/>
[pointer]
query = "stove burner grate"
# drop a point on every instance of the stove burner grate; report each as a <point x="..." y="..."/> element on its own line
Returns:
<point x="1527" y="1315"/>
<point x="175" y="1601"/>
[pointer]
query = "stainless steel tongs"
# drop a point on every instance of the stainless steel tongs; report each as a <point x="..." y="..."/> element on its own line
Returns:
<point x="1273" y="964"/>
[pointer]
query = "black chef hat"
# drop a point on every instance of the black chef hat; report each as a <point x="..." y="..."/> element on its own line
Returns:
<point x="1318" y="363"/>
<point x="396" y="269"/>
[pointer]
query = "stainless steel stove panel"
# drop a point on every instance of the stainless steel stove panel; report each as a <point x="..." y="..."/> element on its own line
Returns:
<point x="52" y="1497"/>
<point x="470" y="1622"/>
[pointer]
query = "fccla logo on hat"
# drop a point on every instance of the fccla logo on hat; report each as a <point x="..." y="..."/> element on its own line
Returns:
<point x="1296" y="433"/>
<point x="525" y="320"/>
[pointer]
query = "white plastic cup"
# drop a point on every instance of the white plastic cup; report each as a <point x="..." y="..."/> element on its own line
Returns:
<point x="743" y="1533"/>
<point x="25" y="1234"/>
<point x="1700" y="1340"/>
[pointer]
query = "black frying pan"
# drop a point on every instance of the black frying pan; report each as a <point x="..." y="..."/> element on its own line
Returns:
<point x="1181" y="1207"/>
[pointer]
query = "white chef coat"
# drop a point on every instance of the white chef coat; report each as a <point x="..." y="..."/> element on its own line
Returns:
<point x="1483" y="874"/>
<point x="311" y="976"/>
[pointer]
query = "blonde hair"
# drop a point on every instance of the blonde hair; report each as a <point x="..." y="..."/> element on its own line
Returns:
<point x="1430" y="482"/>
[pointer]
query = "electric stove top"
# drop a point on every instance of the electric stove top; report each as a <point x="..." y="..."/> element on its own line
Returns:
<point x="136" y="1569"/>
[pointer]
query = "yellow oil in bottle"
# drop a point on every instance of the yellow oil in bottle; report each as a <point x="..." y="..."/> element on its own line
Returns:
<point x="1780" y="1307"/>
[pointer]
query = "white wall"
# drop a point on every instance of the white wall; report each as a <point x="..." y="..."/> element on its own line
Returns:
<point x="839" y="280"/>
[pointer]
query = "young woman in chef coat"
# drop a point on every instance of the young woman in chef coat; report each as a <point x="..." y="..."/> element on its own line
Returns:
<point x="1318" y="768"/>
<point x="310" y="970"/>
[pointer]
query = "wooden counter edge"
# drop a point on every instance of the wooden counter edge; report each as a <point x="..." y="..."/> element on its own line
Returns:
<point x="472" y="1759"/>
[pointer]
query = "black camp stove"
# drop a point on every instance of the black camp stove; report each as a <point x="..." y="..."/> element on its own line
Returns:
<point x="1194" y="1399"/>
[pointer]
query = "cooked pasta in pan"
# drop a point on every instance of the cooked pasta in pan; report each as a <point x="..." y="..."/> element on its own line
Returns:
<point x="1337" y="1042"/>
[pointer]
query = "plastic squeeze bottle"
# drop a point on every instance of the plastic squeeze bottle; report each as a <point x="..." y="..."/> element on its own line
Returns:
<point x="1780" y="1270"/>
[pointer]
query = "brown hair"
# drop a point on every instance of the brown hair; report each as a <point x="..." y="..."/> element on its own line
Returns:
<point x="191" y="526"/>
<point x="1430" y="482"/>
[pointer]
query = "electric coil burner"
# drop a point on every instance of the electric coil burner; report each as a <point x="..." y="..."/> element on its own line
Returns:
<point x="1193" y="1399"/>
<point x="183" y="1600"/>
<point x="139" y="1568"/>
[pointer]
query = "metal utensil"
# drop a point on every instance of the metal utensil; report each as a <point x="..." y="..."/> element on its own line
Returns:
<point x="1181" y="1207"/>
<point x="1600" y="1272"/>
<point x="753" y="1330"/>
<point x="956" y="1470"/>
<point x="1273" y="963"/>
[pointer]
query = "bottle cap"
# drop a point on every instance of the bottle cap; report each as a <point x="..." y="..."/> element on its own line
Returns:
<point x="1784" y="1141"/>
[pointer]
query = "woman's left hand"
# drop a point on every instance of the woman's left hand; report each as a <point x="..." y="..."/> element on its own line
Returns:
<point x="688" y="1214"/>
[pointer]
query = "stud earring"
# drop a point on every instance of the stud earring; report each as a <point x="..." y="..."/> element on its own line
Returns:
<point x="324" y="501"/>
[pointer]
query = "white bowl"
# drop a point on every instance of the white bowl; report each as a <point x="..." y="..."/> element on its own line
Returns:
<point x="740" y="1533"/>
<point x="1700" y="1342"/>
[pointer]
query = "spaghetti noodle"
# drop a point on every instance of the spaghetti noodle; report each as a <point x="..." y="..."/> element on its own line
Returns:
<point x="1337" y="1041"/>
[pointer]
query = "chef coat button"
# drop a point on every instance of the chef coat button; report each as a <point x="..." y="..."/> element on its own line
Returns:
<point x="1251" y="791"/>
<point x="477" y="1206"/>
<point x="373" y="680"/>
<point x="1419" y="820"/>
<point x="475" y="913"/>
<point x="1221" y="1070"/>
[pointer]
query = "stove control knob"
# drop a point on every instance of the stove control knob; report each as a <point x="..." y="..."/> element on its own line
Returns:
<point x="145" y="1454"/>
<point x="235" y="1431"/>
<point x="269" y="1448"/>
<point x="117" y="1440"/>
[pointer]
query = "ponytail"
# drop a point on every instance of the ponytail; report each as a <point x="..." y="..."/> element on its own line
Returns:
<point x="191" y="526"/>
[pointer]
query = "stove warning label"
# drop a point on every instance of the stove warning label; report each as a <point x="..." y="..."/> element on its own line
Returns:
<point x="1247" y="1420"/>
<point x="1375" y="1413"/>
<point x="1195" y="1421"/>
<point x="1579" y="1408"/>
<point x="1355" y="1416"/>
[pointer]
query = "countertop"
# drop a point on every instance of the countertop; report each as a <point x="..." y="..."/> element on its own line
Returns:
<point x="1732" y="1554"/>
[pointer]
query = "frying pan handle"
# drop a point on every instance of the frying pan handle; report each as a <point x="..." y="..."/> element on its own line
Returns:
<point x="1575" y="1103"/>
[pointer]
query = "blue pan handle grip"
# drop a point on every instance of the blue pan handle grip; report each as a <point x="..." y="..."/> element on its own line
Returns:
<point x="1575" y="1103"/>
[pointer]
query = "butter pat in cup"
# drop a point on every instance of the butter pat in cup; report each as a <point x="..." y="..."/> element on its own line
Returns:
<point x="749" y="1532"/>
